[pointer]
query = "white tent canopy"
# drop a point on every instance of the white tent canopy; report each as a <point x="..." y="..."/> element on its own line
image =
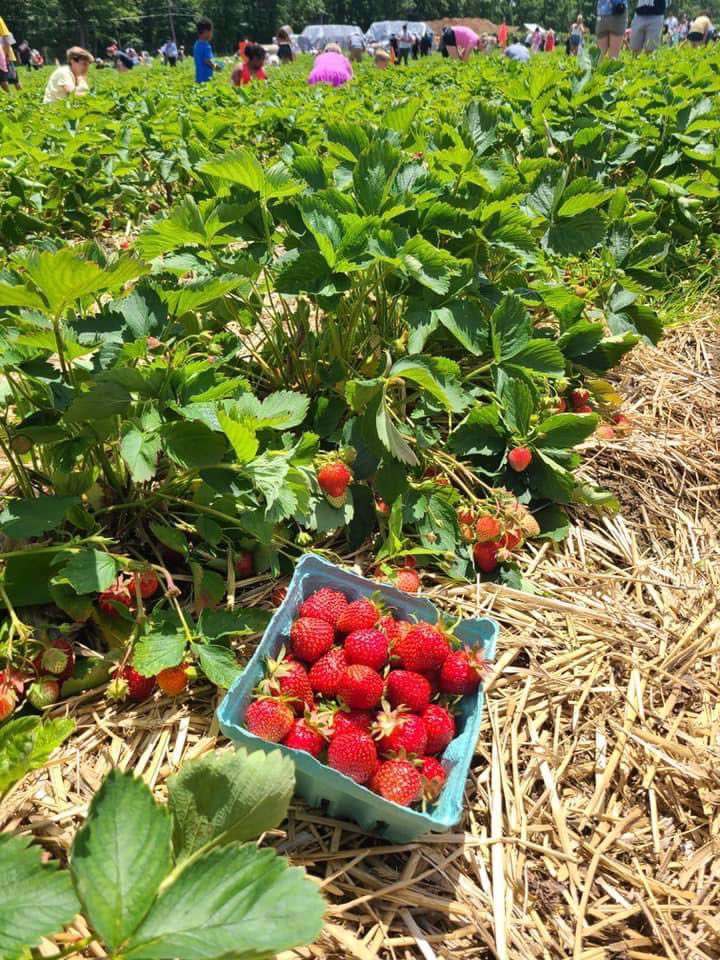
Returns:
<point x="380" y="31"/>
<point x="315" y="36"/>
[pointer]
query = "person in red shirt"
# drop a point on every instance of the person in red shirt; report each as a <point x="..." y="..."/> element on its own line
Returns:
<point x="252" y="69"/>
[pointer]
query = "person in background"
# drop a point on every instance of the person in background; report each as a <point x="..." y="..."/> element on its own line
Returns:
<point x="536" y="40"/>
<point x="181" y="53"/>
<point x="549" y="40"/>
<point x="169" y="51"/>
<point x="9" y="74"/>
<point x="242" y="45"/>
<point x="25" y="54"/>
<point x="382" y="59"/>
<point x="700" y="30"/>
<point x="123" y="61"/>
<point x="251" y="68"/>
<point x="426" y="44"/>
<point x="502" y="36"/>
<point x="647" y="26"/>
<point x="331" y="67"/>
<point x="285" y="50"/>
<point x="415" y="50"/>
<point x="393" y="48"/>
<point x="205" y="66"/>
<point x="37" y="59"/>
<point x="517" y="51"/>
<point x="464" y="42"/>
<point x="610" y="27"/>
<point x="404" y="45"/>
<point x="70" y="79"/>
<point x="357" y="47"/>
<point x="576" y="36"/>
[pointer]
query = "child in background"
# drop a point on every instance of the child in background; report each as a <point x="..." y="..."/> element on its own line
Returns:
<point x="202" y="52"/>
<point x="252" y="68"/>
<point x="284" y="42"/>
<point x="382" y="59"/>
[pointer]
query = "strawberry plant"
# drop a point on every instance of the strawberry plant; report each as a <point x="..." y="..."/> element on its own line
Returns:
<point x="173" y="880"/>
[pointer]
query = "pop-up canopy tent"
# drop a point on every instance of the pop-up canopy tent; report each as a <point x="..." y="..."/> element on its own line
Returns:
<point x="380" y="31"/>
<point x="315" y="36"/>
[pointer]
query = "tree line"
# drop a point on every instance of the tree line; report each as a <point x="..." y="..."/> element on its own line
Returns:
<point x="53" y="25"/>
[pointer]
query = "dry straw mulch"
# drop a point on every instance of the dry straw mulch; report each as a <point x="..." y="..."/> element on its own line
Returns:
<point x="593" y="806"/>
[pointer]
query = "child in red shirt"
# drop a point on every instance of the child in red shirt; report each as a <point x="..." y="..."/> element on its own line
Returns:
<point x="252" y="69"/>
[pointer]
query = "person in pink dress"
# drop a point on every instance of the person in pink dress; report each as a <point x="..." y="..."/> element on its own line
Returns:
<point x="331" y="67"/>
<point x="466" y="40"/>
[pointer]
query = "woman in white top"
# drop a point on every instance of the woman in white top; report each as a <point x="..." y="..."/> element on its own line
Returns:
<point x="71" y="78"/>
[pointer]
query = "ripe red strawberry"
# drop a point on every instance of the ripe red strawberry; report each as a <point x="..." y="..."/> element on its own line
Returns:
<point x="407" y="580"/>
<point x="423" y="648"/>
<point x="390" y="627"/>
<point x="462" y="671"/>
<point x="440" y="727"/>
<point x="325" y="604"/>
<point x="410" y="562"/>
<point x="149" y="584"/>
<point x="487" y="528"/>
<point x="404" y="687"/>
<point x="509" y="540"/>
<point x="397" y="780"/>
<point x="520" y="458"/>
<point x="325" y="673"/>
<point x="304" y="735"/>
<point x="353" y="754"/>
<point x="58" y="659"/>
<point x="43" y="692"/>
<point x="621" y="421"/>
<point x="173" y="680"/>
<point x="584" y="409"/>
<point x="119" y="593"/>
<point x="578" y="398"/>
<point x="127" y="682"/>
<point x="8" y="700"/>
<point x="369" y="647"/>
<point x="310" y="638"/>
<point x="360" y="687"/>
<point x="400" y="734"/>
<point x="433" y="776"/>
<point x="345" y="721"/>
<point x="244" y="565"/>
<point x="289" y="679"/>
<point x="358" y="615"/>
<point x="334" y="479"/>
<point x="485" y="557"/>
<point x="268" y="718"/>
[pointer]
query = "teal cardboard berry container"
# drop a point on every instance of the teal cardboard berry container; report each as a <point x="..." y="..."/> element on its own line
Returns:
<point x="318" y="783"/>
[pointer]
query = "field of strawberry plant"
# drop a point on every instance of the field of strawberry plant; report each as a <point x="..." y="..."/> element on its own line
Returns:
<point x="381" y="323"/>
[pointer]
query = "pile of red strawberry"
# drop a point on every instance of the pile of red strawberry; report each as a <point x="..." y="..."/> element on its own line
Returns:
<point x="371" y="695"/>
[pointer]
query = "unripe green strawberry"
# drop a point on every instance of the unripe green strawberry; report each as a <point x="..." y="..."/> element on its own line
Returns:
<point x="43" y="692"/>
